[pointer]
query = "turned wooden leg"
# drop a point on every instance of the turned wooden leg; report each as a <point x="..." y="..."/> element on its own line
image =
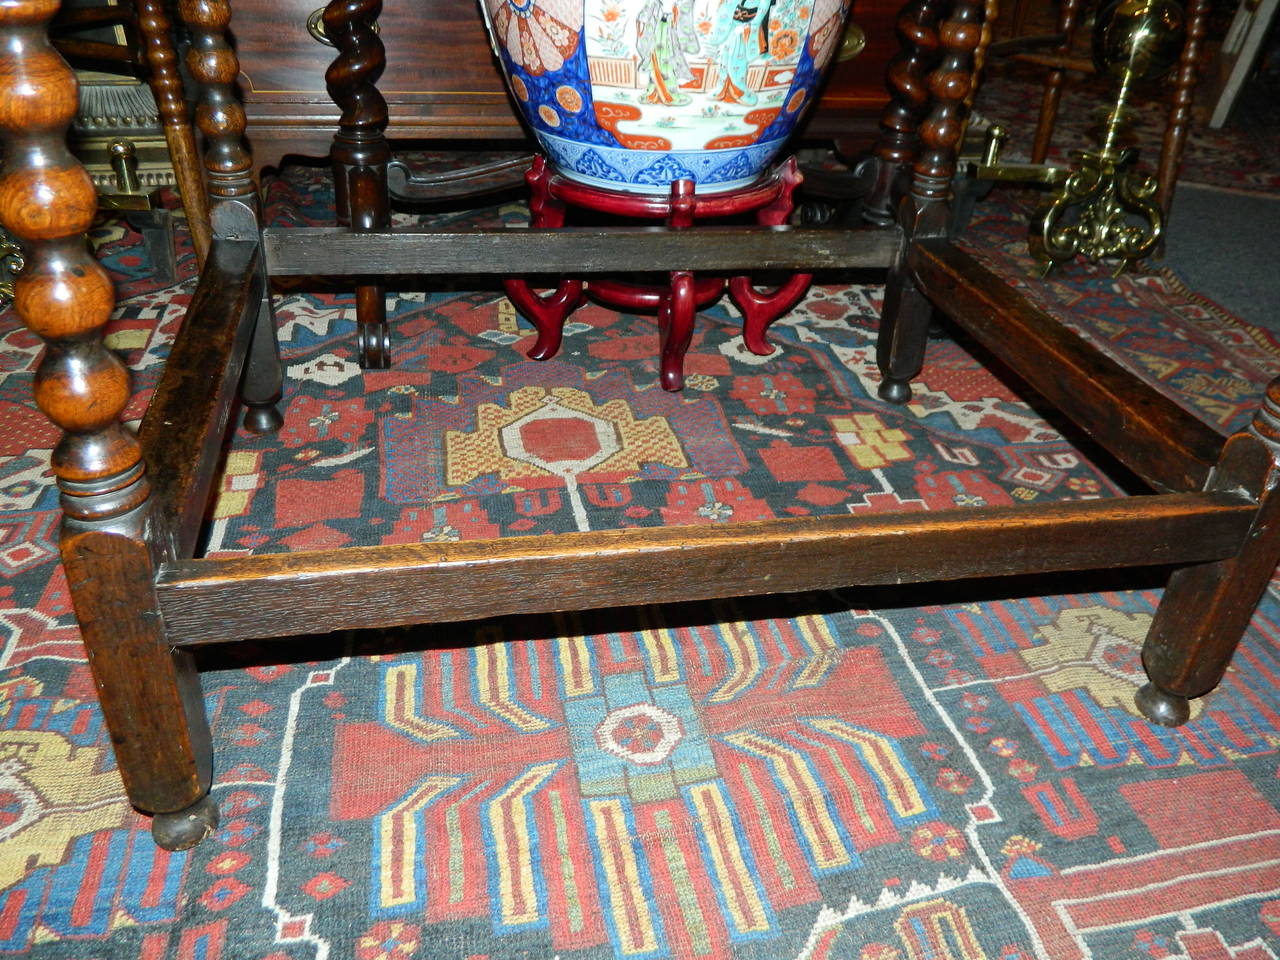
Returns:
<point x="925" y="213"/>
<point x="263" y="381"/>
<point x="360" y="152"/>
<point x="166" y="86"/>
<point x="546" y="311"/>
<point x="150" y="695"/>
<point x="1184" y="88"/>
<point x="1052" y="95"/>
<point x="1206" y="608"/>
<point x="759" y="310"/>
<point x="236" y="210"/>
<point x="898" y="143"/>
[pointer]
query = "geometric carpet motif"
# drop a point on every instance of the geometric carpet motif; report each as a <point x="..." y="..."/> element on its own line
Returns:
<point x="921" y="773"/>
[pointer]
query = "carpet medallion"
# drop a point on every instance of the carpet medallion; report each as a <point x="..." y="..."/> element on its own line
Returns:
<point x="923" y="773"/>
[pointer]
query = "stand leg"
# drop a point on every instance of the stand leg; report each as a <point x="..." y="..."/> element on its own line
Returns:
<point x="547" y="312"/>
<point x="1206" y="608"/>
<point x="675" y="325"/>
<point x="759" y="310"/>
<point x="150" y="695"/>
<point x="925" y="213"/>
<point x="360" y="152"/>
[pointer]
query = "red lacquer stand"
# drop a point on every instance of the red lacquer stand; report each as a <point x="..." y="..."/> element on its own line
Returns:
<point x="676" y="303"/>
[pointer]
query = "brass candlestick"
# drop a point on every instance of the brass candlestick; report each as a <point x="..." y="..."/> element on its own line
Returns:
<point x="1106" y="207"/>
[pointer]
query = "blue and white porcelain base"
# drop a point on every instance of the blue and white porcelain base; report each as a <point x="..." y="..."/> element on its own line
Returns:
<point x="652" y="171"/>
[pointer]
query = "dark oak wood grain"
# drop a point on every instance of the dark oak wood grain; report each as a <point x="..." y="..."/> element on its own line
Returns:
<point x="187" y="422"/>
<point x="207" y="600"/>
<point x="149" y="693"/>
<point x="1162" y="443"/>
<point x="1206" y="607"/>
<point x="323" y="251"/>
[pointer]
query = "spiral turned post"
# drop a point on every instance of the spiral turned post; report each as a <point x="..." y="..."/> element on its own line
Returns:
<point x="166" y="85"/>
<point x="150" y="695"/>
<point x="360" y="152"/>
<point x="907" y="76"/>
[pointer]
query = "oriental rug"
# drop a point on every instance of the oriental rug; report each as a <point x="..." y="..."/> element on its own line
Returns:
<point x="929" y="773"/>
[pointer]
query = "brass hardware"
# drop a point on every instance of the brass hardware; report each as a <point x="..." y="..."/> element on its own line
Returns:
<point x="992" y="167"/>
<point x="315" y="27"/>
<point x="128" y="193"/>
<point x="1106" y="208"/>
<point x="852" y="42"/>
<point x="11" y="265"/>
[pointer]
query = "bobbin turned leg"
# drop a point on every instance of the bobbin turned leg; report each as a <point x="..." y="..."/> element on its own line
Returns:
<point x="236" y="209"/>
<point x="360" y="152"/>
<point x="906" y="74"/>
<point x="924" y="214"/>
<point x="150" y="695"/>
<point x="1206" y="608"/>
<point x="547" y="312"/>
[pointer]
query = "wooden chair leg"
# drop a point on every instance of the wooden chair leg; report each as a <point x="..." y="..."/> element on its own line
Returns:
<point x="1068" y="15"/>
<point x="1184" y="85"/>
<point x="263" y="382"/>
<point x="925" y="212"/>
<point x="150" y="695"/>
<point x="236" y="208"/>
<point x="907" y="76"/>
<point x="1206" y="608"/>
<point x="166" y="85"/>
<point x="360" y="153"/>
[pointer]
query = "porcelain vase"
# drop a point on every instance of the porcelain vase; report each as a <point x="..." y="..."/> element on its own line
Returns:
<point x="631" y="95"/>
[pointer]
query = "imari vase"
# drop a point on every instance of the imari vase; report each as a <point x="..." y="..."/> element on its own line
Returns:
<point x="633" y="94"/>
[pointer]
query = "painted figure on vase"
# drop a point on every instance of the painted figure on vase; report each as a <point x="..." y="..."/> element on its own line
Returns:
<point x="665" y="36"/>
<point x="739" y="36"/>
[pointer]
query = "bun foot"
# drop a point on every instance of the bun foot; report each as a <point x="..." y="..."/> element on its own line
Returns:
<point x="185" y="828"/>
<point x="1165" y="709"/>
<point x="894" y="391"/>
<point x="262" y="419"/>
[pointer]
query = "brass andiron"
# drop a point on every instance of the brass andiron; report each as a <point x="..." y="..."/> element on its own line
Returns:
<point x="1106" y="209"/>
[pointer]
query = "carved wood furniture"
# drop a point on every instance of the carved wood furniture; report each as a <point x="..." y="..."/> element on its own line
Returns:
<point x="134" y="504"/>
<point x="676" y="302"/>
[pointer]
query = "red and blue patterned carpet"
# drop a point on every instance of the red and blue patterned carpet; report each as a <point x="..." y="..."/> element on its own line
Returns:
<point x="931" y="773"/>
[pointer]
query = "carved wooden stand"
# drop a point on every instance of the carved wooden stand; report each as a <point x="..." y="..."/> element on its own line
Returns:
<point x="145" y="600"/>
<point x="677" y="303"/>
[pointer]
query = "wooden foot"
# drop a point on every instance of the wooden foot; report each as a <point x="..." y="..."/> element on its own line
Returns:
<point x="1160" y="707"/>
<point x="894" y="391"/>
<point x="183" y="829"/>
<point x="547" y="312"/>
<point x="759" y="310"/>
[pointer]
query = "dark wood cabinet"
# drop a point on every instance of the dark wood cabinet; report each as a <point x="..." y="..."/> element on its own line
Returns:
<point x="442" y="81"/>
